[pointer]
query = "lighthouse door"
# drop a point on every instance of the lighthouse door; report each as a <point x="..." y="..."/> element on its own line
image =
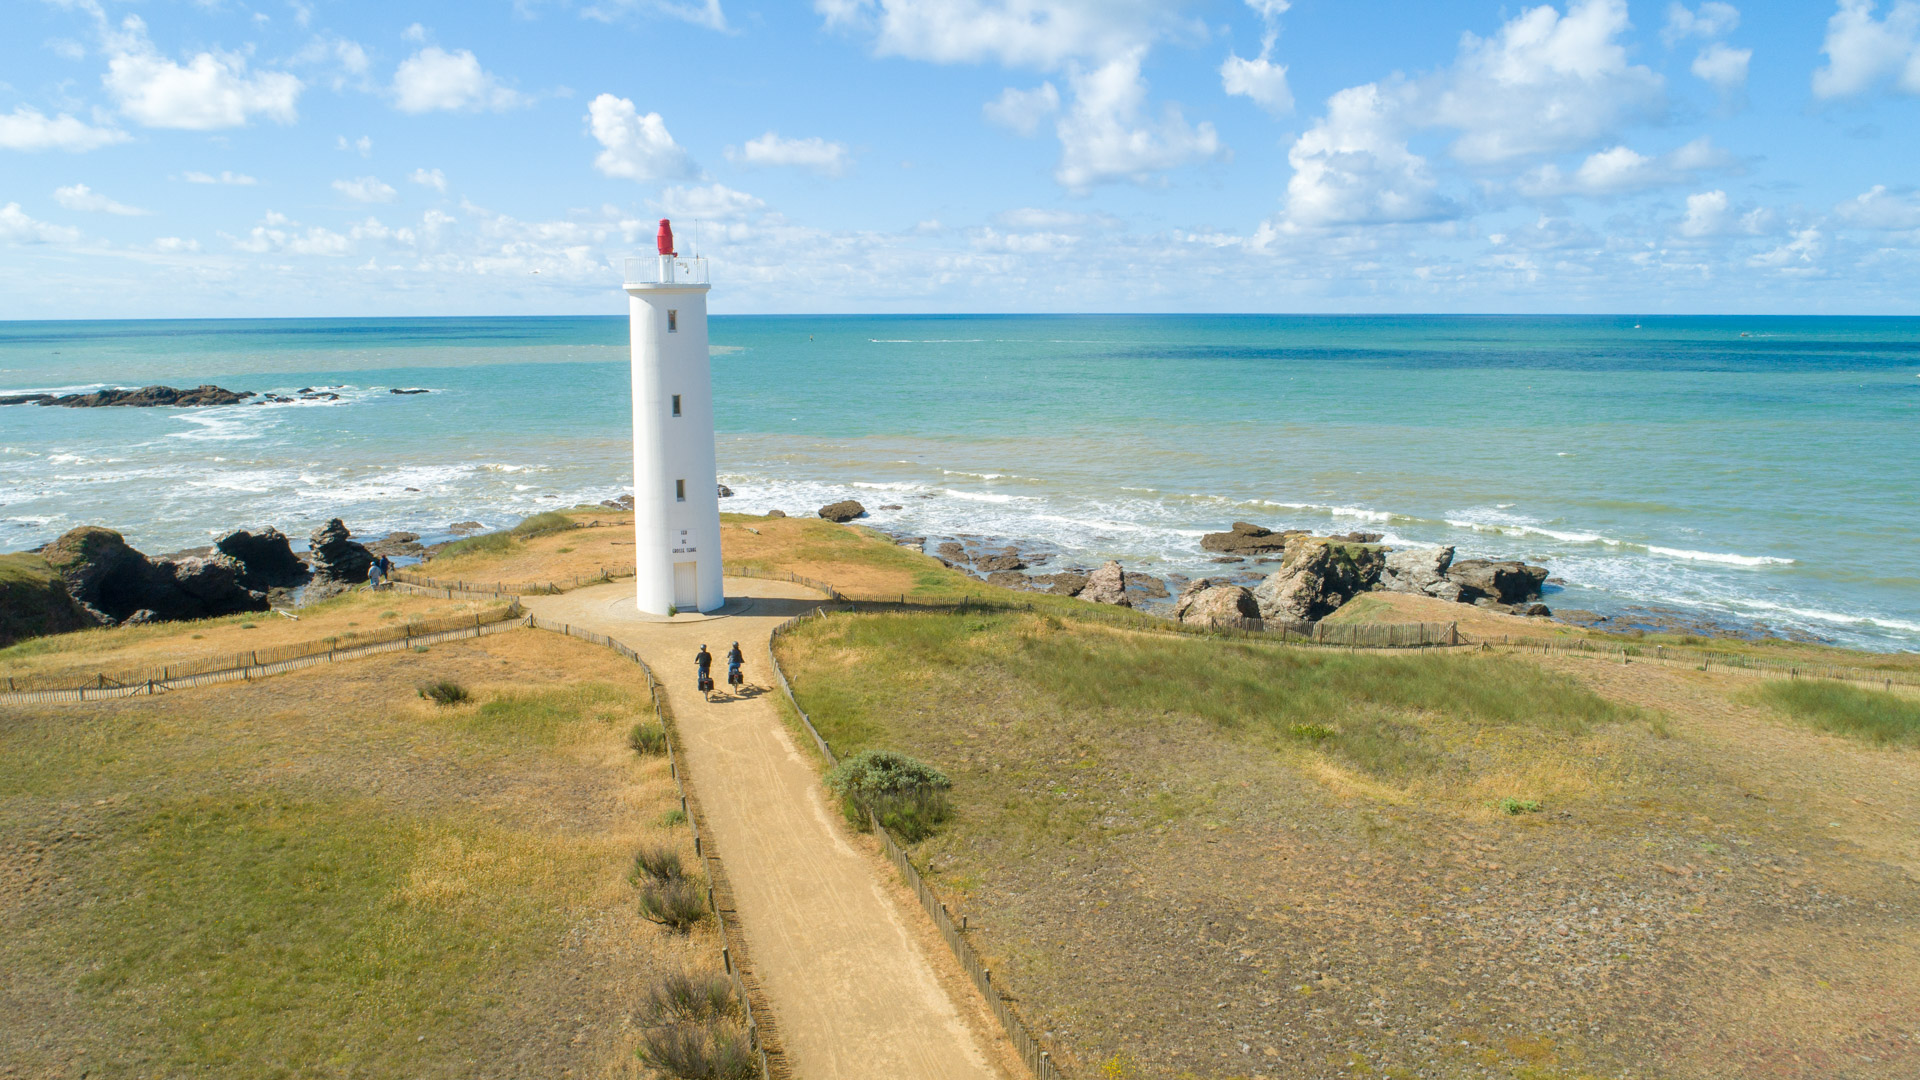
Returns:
<point x="686" y="586"/>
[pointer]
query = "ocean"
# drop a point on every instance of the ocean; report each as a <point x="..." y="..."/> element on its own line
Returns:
<point x="1742" y="472"/>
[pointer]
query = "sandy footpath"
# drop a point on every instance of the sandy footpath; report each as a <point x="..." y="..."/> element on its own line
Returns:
<point x="854" y="988"/>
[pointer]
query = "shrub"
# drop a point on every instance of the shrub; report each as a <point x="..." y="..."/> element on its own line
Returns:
<point x="690" y="998"/>
<point x="486" y="543"/>
<point x="907" y="795"/>
<point x="697" y="1052"/>
<point x="1516" y="807"/>
<point x="656" y="864"/>
<point x="647" y="739"/>
<point x="673" y="817"/>
<point x="445" y="692"/>
<point x="676" y="903"/>
<point x="1310" y="733"/>
<point x="551" y="521"/>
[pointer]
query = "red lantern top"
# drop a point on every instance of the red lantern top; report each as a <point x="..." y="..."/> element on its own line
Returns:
<point x="665" y="239"/>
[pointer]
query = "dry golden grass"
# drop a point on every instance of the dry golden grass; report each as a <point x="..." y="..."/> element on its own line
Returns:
<point x="603" y="542"/>
<point x="132" y="653"/>
<point x="322" y="874"/>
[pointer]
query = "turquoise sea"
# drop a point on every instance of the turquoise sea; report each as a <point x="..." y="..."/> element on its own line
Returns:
<point x="1740" y="470"/>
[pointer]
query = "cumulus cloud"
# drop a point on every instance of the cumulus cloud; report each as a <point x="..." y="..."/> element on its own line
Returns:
<point x="432" y="178"/>
<point x="225" y="177"/>
<point x="1711" y="213"/>
<point x="1353" y="167"/>
<point x="1797" y="254"/>
<point x="1021" y="111"/>
<point x="211" y="91"/>
<point x="815" y="153"/>
<point x="363" y="144"/>
<point x="1621" y="170"/>
<point x="635" y="146"/>
<point x="367" y="189"/>
<point x="711" y="202"/>
<point x="348" y="60"/>
<point x="1878" y="208"/>
<point x="434" y="79"/>
<point x="27" y="128"/>
<point x="1712" y="20"/>
<point x="1106" y="133"/>
<point x="1260" y="79"/>
<point x="279" y="235"/>
<point x="1863" y="51"/>
<point x="17" y="228"/>
<point x="82" y="197"/>
<point x="1722" y="66"/>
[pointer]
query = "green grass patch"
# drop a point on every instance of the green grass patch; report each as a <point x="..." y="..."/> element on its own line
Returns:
<point x="551" y="521"/>
<point x="539" y="717"/>
<point x="498" y="543"/>
<point x="1875" y="716"/>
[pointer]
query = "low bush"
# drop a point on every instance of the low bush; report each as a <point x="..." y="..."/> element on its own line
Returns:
<point x="697" y="1052"/>
<point x="676" y="903"/>
<point x="542" y="524"/>
<point x="673" y="817"/>
<point x="907" y="795"/>
<point x="445" y="692"/>
<point x="691" y="998"/>
<point x="484" y="544"/>
<point x="1877" y="716"/>
<point x="656" y="864"/>
<point x="1516" y="807"/>
<point x="1310" y="733"/>
<point x="647" y="739"/>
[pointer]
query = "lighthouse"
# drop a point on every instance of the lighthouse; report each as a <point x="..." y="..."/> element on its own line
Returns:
<point x="676" y="505"/>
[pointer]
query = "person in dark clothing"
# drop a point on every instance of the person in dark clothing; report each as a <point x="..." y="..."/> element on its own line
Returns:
<point x="703" y="660"/>
<point x="734" y="660"/>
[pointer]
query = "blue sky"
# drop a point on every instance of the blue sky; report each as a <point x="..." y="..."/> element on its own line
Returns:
<point x="223" y="158"/>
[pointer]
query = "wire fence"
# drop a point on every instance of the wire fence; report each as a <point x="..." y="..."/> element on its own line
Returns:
<point x="264" y="662"/>
<point x="183" y="672"/>
<point x="1037" y="1057"/>
<point x="762" y="1035"/>
<point x="509" y="588"/>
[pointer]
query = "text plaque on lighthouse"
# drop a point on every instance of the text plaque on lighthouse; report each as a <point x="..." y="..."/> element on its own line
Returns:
<point x="676" y="505"/>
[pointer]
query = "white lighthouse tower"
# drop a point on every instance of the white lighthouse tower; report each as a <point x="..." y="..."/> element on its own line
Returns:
<point x="676" y="505"/>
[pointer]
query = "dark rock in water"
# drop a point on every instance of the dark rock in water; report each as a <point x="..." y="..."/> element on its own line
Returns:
<point x="266" y="558"/>
<point x="1579" y="617"/>
<point x="1316" y="576"/>
<point x="726" y="492"/>
<point x="398" y="390"/>
<point x="337" y="560"/>
<point x="462" y="528"/>
<point x="1066" y="583"/>
<point x="1213" y="602"/>
<point x="1246" y="538"/>
<point x="398" y="543"/>
<point x="915" y="542"/>
<point x="1507" y="582"/>
<point x="843" y="511"/>
<point x="1359" y="537"/>
<point x="1228" y="559"/>
<point x="110" y="581"/>
<point x="145" y="397"/>
<point x="995" y="563"/>
<point x="624" y="502"/>
<point x="776" y="513"/>
<point x="894" y="506"/>
<point x="1011" y="579"/>
<point x="1147" y="586"/>
<point x="1532" y="610"/>
<point x="1107" y="585"/>
<point x="953" y="551"/>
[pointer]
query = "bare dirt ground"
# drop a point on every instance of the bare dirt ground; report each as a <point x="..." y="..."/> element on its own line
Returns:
<point x="322" y="875"/>
<point x="858" y="986"/>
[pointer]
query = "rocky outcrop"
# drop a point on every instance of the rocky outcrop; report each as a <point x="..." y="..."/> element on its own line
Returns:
<point x="145" y="397"/>
<point x="405" y="544"/>
<point x="111" y="582"/>
<point x="337" y="560"/>
<point x="266" y="558"/>
<point x="1420" y="570"/>
<point x="1504" y="582"/>
<point x="1011" y="579"/>
<point x="1246" y="538"/>
<point x="1316" y="576"/>
<point x="776" y="513"/>
<point x="726" y="492"/>
<point x="1146" y="586"/>
<point x="1064" y="583"/>
<point x="408" y="390"/>
<point x="1107" y="585"/>
<point x="34" y="600"/>
<point x="1215" y="602"/>
<point x="843" y="511"/>
<point x="991" y="564"/>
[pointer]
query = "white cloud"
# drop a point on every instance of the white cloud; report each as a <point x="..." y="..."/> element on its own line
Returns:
<point x="225" y="177"/>
<point x="828" y="158"/>
<point x="705" y="13"/>
<point x="17" y="228"/>
<point x="1861" y="51"/>
<point x="271" y="239"/>
<point x="1798" y="253"/>
<point x="368" y="189"/>
<point x="636" y="147"/>
<point x="712" y="202"/>
<point x="212" y="90"/>
<point x="175" y="245"/>
<point x="1022" y="111"/>
<point x="1260" y="79"/>
<point x="432" y="178"/>
<point x="1620" y="170"/>
<point x="1722" y="66"/>
<point x="363" y="144"/>
<point x="1103" y="137"/>
<point x="28" y="128"/>
<point x="1879" y="208"/>
<point x="1546" y="83"/>
<point x="1711" y="213"/>
<point x="434" y="79"/>
<point x="348" y="59"/>
<point x="1354" y="166"/>
<point x="1713" y="20"/>
<point x="82" y="197"/>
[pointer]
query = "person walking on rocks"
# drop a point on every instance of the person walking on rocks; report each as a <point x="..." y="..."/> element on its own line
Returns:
<point x="374" y="572"/>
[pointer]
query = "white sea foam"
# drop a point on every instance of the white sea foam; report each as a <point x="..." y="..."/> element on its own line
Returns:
<point x="1838" y="618"/>
<point x="987" y="496"/>
<point x="885" y="485"/>
<point x="1718" y="557"/>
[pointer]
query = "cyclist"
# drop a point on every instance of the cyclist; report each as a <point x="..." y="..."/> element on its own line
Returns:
<point x="734" y="661"/>
<point x="703" y="663"/>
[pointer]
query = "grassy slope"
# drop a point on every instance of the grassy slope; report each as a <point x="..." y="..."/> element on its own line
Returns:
<point x="323" y="875"/>
<point x="1178" y="882"/>
<point x="33" y="599"/>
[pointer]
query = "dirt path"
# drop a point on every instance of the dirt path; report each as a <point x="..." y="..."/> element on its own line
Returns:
<point x="853" y="985"/>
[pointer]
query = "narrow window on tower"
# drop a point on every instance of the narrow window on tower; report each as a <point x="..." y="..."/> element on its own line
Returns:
<point x="676" y="404"/>
<point x="680" y="491"/>
<point x="673" y="321"/>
